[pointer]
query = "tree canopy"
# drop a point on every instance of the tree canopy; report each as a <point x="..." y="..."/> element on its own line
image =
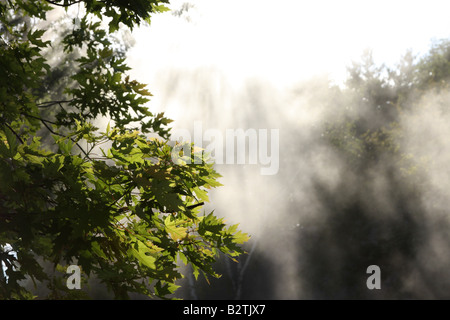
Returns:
<point x="121" y="203"/>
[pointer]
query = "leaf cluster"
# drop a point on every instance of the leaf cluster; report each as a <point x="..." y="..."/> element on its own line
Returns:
<point x="114" y="201"/>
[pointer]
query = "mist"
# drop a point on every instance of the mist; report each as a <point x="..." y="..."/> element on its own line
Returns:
<point x="322" y="218"/>
<point x="321" y="200"/>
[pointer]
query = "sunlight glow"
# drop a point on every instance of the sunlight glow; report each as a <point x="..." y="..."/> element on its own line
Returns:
<point x="287" y="41"/>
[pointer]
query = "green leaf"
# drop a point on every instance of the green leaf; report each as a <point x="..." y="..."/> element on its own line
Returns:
<point x="95" y="246"/>
<point x="163" y="288"/>
<point x="201" y="194"/>
<point x="195" y="271"/>
<point x="34" y="38"/>
<point x="12" y="142"/>
<point x="66" y="146"/>
<point x="212" y="182"/>
<point x="240" y="237"/>
<point x="183" y="258"/>
<point x="210" y="223"/>
<point x="144" y="255"/>
<point x="176" y="232"/>
<point x="108" y="128"/>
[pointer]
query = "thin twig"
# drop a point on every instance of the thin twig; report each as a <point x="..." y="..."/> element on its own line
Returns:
<point x="61" y="135"/>
<point x="195" y="205"/>
<point x="15" y="133"/>
<point x="52" y="103"/>
<point x="37" y="118"/>
<point x="63" y="5"/>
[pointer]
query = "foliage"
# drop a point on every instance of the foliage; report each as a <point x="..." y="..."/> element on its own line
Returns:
<point x="114" y="201"/>
<point x="381" y="207"/>
<point x="375" y="97"/>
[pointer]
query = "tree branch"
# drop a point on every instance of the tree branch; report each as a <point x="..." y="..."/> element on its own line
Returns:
<point x="195" y="205"/>
<point x="61" y="135"/>
<point x="44" y="122"/>
<point x="63" y="5"/>
<point x="52" y="103"/>
<point x="37" y="118"/>
<point x="15" y="133"/>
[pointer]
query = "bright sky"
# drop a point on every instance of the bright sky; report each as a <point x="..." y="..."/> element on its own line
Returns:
<point x="286" y="41"/>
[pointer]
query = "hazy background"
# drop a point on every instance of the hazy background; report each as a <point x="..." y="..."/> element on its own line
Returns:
<point x="284" y="42"/>
<point x="322" y="220"/>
